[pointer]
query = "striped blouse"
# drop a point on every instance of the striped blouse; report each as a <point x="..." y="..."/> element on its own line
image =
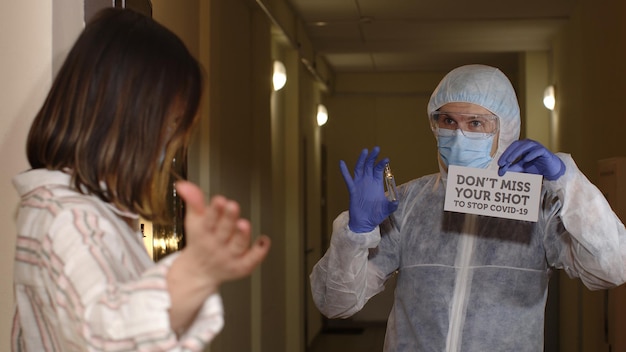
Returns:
<point x="84" y="281"/>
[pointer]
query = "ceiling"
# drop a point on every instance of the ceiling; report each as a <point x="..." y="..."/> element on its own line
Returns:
<point x="427" y="35"/>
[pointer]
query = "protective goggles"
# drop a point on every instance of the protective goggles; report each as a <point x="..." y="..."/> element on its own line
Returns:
<point x="474" y="126"/>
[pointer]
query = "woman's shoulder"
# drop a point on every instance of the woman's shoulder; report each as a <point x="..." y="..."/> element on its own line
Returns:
<point x="50" y="194"/>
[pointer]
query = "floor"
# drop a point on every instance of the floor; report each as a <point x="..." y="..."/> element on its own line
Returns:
<point x="368" y="338"/>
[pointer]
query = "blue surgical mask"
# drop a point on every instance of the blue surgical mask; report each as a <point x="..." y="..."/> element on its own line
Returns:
<point x="456" y="149"/>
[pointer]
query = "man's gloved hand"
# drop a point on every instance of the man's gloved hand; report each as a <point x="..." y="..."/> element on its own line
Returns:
<point x="368" y="204"/>
<point x="531" y="157"/>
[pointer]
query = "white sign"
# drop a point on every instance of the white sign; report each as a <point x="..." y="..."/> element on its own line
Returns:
<point x="478" y="191"/>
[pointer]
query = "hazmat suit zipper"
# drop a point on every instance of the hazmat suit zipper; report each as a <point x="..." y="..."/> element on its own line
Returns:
<point x="463" y="283"/>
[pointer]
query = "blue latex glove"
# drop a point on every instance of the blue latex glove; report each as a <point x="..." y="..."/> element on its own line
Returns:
<point x="531" y="157"/>
<point x="368" y="204"/>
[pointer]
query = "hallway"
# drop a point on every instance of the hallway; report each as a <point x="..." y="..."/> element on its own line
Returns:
<point x="368" y="338"/>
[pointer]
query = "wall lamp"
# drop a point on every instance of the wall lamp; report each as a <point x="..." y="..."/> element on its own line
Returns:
<point x="322" y="115"/>
<point x="279" y="78"/>
<point x="549" y="100"/>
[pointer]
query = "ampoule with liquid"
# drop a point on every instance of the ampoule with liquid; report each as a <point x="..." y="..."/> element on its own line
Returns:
<point x="390" y="184"/>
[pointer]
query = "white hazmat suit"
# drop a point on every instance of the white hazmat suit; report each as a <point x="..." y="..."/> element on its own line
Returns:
<point x="467" y="282"/>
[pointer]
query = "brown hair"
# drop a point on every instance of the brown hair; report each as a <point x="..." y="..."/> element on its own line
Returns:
<point x="125" y="99"/>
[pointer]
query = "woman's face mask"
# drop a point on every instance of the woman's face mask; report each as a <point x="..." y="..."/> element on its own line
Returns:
<point x="457" y="149"/>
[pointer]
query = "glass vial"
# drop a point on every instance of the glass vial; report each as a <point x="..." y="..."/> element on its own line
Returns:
<point x="390" y="184"/>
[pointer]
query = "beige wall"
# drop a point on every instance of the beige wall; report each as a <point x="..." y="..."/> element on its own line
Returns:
<point x="590" y="78"/>
<point x="33" y="40"/>
<point x="231" y="151"/>
<point x="534" y="78"/>
<point x="588" y="59"/>
<point x="262" y="149"/>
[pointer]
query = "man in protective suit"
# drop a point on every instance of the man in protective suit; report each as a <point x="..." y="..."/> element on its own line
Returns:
<point x="468" y="282"/>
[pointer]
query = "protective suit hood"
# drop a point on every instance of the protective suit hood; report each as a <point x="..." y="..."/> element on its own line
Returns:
<point x="485" y="86"/>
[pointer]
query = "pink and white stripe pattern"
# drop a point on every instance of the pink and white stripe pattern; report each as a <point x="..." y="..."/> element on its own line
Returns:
<point x="84" y="281"/>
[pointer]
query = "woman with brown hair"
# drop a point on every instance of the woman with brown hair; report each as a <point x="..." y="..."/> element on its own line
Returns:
<point x="125" y="100"/>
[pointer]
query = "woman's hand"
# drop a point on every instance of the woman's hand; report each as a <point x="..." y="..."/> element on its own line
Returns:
<point x="218" y="249"/>
<point x="217" y="238"/>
